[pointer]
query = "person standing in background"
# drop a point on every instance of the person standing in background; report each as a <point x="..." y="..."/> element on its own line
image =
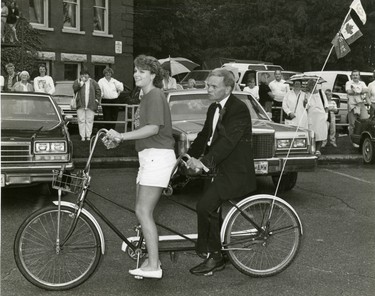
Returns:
<point x="295" y="113"/>
<point x="316" y="102"/>
<point x="252" y="88"/>
<point x="44" y="83"/>
<point x="110" y="89"/>
<point x="4" y="15"/>
<point x="371" y="92"/>
<point x="87" y="100"/>
<point x="12" y="18"/>
<point x="23" y="84"/>
<point x="331" y="120"/>
<point x="11" y="78"/>
<point x="356" y="90"/>
<point x="265" y="94"/>
<point x="279" y="89"/>
<point x="168" y="81"/>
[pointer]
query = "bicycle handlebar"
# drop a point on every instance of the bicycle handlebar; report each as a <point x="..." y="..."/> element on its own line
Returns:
<point x="93" y="143"/>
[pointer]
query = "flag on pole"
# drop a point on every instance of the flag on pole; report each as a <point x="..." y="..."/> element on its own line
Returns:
<point x="350" y="30"/>
<point x="358" y="8"/>
<point x="341" y="46"/>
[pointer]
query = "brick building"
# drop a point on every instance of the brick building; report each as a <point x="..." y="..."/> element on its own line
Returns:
<point x="83" y="33"/>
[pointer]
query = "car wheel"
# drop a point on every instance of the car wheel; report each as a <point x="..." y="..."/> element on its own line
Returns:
<point x="288" y="181"/>
<point x="368" y="151"/>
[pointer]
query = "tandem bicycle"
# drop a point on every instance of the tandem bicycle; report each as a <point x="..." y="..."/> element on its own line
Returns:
<point x="60" y="246"/>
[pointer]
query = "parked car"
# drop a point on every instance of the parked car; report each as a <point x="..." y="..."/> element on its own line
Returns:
<point x="34" y="139"/>
<point x="271" y="141"/>
<point x="364" y="136"/>
<point x="63" y="96"/>
<point x="336" y="81"/>
<point x="199" y="76"/>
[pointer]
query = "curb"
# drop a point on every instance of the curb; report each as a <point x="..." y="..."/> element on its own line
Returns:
<point x="131" y="162"/>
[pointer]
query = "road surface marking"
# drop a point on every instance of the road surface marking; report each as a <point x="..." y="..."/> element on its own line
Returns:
<point x="349" y="176"/>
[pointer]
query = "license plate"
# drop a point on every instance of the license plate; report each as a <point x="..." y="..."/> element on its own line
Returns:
<point x="2" y="180"/>
<point x="261" y="167"/>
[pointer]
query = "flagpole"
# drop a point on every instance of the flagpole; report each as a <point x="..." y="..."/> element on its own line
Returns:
<point x="330" y="51"/>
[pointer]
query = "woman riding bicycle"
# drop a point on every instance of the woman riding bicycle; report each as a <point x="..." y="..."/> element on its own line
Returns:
<point x="154" y="143"/>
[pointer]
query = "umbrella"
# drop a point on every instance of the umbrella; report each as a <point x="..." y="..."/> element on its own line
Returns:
<point x="307" y="77"/>
<point x="177" y="65"/>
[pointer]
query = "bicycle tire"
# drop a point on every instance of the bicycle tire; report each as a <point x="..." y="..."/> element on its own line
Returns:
<point x="35" y="249"/>
<point x="263" y="255"/>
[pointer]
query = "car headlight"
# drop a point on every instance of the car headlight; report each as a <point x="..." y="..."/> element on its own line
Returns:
<point x="287" y="143"/>
<point x="50" y="147"/>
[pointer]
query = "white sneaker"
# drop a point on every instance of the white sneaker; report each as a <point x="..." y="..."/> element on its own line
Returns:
<point x="355" y="145"/>
<point x="152" y="274"/>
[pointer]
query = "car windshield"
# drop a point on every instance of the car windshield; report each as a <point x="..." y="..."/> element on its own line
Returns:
<point x="194" y="106"/>
<point x="63" y="89"/>
<point x="28" y="112"/>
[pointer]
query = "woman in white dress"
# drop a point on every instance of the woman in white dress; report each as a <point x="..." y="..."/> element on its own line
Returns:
<point x="293" y="106"/>
<point x="317" y="106"/>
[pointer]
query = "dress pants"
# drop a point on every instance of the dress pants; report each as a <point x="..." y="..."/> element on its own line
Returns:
<point x="85" y="122"/>
<point x="110" y="113"/>
<point x="209" y="220"/>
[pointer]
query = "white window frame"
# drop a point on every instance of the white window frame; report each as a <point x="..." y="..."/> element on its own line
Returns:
<point x="77" y="28"/>
<point x="105" y="32"/>
<point x="45" y="25"/>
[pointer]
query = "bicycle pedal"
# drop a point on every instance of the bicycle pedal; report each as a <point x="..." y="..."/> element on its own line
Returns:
<point x="138" y="277"/>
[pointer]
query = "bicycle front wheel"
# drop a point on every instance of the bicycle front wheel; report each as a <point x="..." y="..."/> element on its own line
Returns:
<point x="44" y="264"/>
<point x="262" y="253"/>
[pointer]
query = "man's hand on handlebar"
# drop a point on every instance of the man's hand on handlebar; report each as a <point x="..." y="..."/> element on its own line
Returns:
<point x="194" y="164"/>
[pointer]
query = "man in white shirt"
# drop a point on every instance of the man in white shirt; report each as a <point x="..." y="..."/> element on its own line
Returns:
<point x="279" y="89"/>
<point x="371" y="92"/>
<point x="356" y="90"/>
<point x="111" y="89"/>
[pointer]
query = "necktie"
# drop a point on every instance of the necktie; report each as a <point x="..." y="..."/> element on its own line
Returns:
<point x="214" y="121"/>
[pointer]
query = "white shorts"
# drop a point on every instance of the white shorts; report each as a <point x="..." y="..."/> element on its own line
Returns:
<point x="155" y="167"/>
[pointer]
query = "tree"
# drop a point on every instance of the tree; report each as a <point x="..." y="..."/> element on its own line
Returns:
<point x="296" y="34"/>
<point x="22" y="54"/>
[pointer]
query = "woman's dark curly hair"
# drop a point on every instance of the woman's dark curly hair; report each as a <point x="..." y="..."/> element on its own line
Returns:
<point x="151" y="64"/>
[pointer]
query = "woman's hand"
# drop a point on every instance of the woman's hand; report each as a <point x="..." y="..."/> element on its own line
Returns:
<point x="112" y="139"/>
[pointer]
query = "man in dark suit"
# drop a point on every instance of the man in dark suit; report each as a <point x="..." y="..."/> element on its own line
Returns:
<point x="224" y="148"/>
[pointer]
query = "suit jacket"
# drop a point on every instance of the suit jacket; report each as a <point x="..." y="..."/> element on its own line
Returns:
<point x="95" y="95"/>
<point x="230" y="154"/>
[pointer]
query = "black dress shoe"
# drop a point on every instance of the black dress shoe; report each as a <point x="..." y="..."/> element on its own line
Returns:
<point x="208" y="266"/>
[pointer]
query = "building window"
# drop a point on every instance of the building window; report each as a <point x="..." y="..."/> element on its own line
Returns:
<point x="71" y="14"/>
<point x="38" y="12"/>
<point x="98" y="71"/>
<point x="101" y="16"/>
<point x="71" y="71"/>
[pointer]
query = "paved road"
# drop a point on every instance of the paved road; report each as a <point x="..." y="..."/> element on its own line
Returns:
<point x="336" y="205"/>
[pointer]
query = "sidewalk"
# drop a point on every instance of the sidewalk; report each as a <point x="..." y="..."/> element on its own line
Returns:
<point x="126" y="156"/>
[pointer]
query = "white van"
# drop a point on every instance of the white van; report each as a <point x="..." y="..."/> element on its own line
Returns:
<point x="336" y="81"/>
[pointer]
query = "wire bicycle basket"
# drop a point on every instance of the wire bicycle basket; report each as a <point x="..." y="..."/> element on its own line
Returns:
<point x="69" y="182"/>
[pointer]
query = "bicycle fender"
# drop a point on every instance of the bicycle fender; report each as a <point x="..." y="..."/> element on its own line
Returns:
<point x="91" y="217"/>
<point x="255" y="197"/>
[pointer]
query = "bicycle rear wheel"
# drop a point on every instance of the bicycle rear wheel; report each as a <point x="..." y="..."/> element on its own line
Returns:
<point x="42" y="264"/>
<point x="266" y="253"/>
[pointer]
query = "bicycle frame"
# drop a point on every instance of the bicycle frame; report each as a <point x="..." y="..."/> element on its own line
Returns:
<point x="79" y="207"/>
